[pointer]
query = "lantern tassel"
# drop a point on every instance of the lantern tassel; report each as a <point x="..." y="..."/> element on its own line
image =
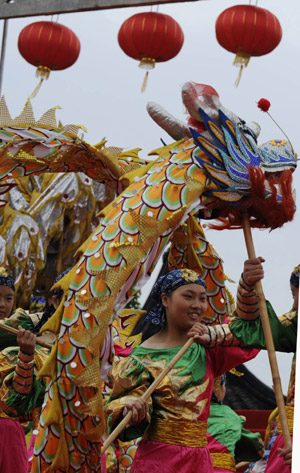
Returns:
<point x="145" y="81"/>
<point x="241" y="60"/>
<point x="239" y="76"/>
<point x="34" y="93"/>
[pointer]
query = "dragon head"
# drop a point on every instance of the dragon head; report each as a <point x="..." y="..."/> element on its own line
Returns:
<point x="248" y="176"/>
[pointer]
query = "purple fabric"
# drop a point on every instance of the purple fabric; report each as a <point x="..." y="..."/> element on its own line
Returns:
<point x="155" y="457"/>
<point x="13" y="449"/>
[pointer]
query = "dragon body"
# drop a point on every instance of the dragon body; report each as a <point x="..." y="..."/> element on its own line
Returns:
<point x="211" y="170"/>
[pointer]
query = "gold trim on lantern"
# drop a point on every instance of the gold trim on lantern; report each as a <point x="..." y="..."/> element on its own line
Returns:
<point x="147" y="63"/>
<point x="43" y="71"/>
<point x="241" y="59"/>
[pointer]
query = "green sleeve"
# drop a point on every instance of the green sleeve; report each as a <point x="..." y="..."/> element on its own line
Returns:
<point x="225" y="425"/>
<point x="13" y="403"/>
<point x="251" y="332"/>
<point x="18" y="318"/>
<point x="24" y="403"/>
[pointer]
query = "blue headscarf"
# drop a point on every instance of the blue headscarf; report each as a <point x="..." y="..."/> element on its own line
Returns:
<point x="6" y="279"/>
<point x="167" y="284"/>
<point x="294" y="279"/>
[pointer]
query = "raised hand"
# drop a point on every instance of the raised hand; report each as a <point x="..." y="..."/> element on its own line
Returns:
<point x="26" y="340"/>
<point x="201" y="334"/>
<point x="253" y="270"/>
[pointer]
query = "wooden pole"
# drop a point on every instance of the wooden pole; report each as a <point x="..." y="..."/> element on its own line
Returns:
<point x="268" y="338"/>
<point x="112" y="437"/>
<point x="14" y="331"/>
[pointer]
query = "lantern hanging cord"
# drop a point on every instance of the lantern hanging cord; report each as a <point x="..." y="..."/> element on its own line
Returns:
<point x="237" y="81"/>
<point x="145" y="81"/>
<point x="37" y="88"/>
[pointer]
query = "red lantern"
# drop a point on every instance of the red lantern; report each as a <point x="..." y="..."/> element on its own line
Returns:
<point x="247" y="30"/>
<point x="49" y="46"/>
<point x="150" y="37"/>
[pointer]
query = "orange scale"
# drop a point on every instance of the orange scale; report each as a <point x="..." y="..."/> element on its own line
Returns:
<point x="209" y="283"/>
<point x="94" y="263"/>
<point x="100" y="285"/>
<point x="198" y="175"/>
<point x="128" y="221"/>
<point x="154" y="194"/>
<point x="155" y="213"/>
<point x="51" y="447"/>
<point x="110" y="229"/>
<point x="70" y="312"/>
<point x="172" y="194"/>
<point x="161" y="175"/>
<point x="126" y="463"/>
<point x="78" y="277"/>
<point x="64" y="348"/>
<point x="93" y="244"/>
<point x="219" y="302"/>
<point x="113" y="213"/>
<point x="132" y="201"/>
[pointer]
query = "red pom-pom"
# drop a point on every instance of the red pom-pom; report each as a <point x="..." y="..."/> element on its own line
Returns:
<point x="264" y="104"/>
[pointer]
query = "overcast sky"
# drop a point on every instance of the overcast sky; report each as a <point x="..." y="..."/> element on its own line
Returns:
<point x="102" y="92"/>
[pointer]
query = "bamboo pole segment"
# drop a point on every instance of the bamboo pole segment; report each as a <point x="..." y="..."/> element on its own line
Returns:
<point x="112" y="437"/>
<point x="268" y="337"/>
<point x="14" y="331"/>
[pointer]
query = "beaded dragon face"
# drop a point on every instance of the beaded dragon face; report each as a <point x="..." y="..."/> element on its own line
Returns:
<point x="251" y="176"/>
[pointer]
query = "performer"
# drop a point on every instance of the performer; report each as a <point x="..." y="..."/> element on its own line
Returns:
<point x="173" y="422"/>
<point x="20" y="392"/>
<point x="228" y="441"/>
<point x="246" y="325"/>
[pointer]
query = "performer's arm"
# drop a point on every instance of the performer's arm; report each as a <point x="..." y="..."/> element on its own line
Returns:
<point x="247" y="305"/>
<point x="21" y="392"/>
<point x="23" y="377"/>
<point x="245" y="321"/>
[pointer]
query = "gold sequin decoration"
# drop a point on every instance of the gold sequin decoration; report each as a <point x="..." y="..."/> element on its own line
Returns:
<point x="149" y="228"/>
<point x="90" y="376"/>
<point x="223" y="460"/>
<point x="94" y="435"/>
<point x="178" y="432"/>
<point x="90" y="338"/>
<point x="132" y="254"/>
<point x="93" y="407"/>
<point x="195" y="188"/>
<point x="290" y="420"/>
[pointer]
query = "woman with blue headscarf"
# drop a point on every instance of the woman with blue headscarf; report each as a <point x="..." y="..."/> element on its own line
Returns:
<point x="173" y="422"/>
